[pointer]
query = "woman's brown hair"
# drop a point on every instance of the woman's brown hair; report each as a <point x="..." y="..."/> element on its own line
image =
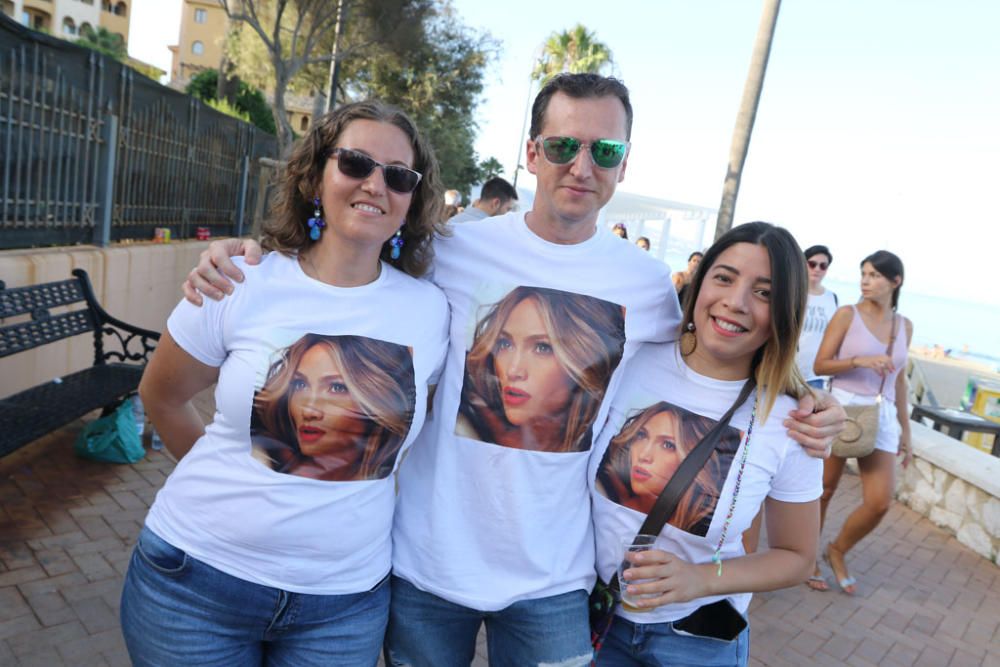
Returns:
<point x="286" y="230"/>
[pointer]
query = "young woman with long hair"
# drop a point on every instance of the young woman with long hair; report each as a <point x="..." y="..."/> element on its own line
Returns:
<point x="853" y="351"/>
<point x="741" y="322"/>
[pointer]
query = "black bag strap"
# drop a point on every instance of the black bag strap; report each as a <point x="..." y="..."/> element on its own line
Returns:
<point x="672" y="493"/>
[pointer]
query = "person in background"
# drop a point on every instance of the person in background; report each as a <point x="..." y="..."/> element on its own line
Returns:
<point x="820" y="308"/>
<point x="618" y="229"/>
<point x="682" y="279"/>
<point x="496" y="198"/>
<point x="643" y="242"/>
<point x="853" y="351"/>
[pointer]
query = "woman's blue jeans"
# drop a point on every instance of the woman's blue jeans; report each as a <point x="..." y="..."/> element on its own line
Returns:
<point x="658" y="645"/>
<point x="177" y="610"/>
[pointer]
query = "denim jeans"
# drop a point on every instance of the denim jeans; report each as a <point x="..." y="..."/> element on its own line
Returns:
<point x="179" y="611"/>
<point x="658" y="645"/>
<point x="427" y="631"/>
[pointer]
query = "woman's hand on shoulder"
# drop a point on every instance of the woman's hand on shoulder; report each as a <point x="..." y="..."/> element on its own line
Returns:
<point x="674" y="579"/>
<point x="215" y="271"/>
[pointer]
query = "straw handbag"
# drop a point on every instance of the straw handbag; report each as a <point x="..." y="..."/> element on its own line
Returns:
<point x="861" y="427"/>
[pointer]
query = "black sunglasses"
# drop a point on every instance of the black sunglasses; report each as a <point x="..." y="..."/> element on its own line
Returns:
<point x="813" y="264"/>
<point x="607" y="153"/>
<point x="354" y="164"/>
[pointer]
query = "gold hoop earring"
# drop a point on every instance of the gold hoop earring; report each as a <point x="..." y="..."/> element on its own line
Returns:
<point x="688" y="340"/>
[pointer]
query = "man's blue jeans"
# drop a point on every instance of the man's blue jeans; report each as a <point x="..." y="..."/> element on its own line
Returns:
<point x="177" y="610"/>
<point x="631" y="644"/>
<point x="427" y="631"/>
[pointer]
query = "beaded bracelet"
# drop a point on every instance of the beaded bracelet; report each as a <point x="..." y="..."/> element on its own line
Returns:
<point x="717" y="557"/>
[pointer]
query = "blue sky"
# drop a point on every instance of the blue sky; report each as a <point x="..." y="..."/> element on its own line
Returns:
<point x="877" y="126"/>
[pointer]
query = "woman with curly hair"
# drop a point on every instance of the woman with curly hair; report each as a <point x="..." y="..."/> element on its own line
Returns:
<point x="539" y="365"/>
<point x="270" y="542"/>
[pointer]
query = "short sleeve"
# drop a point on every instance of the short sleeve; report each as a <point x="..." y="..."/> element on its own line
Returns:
<point x="799" y="478"/>
<point x="199" y="330"/>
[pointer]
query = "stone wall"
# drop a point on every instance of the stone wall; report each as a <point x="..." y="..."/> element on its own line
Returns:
<point x="957" y="487"/>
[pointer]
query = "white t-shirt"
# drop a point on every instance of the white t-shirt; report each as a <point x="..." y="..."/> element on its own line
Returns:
<point x="661" y="412"/>
<point x="819" y="310"/>
<point x="494" y="505"/>
<point x="321" y="390"/>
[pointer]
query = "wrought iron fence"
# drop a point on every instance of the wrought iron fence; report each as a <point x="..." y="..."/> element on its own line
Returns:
<point x="92" y="151"/>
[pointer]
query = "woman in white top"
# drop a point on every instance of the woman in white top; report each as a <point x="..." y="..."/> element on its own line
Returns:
<point x="742" y="322"/>
<point x="270" y="542"/>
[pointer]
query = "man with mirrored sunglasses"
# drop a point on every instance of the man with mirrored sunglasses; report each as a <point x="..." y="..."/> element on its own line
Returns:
<point x="486" y="531"/>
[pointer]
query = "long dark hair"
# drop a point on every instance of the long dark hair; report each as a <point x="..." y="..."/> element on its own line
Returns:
<point x="890" y="266"/>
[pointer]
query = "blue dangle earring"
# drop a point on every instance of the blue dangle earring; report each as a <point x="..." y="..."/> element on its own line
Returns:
<point x="316" y="223"/>
<point x="396" y="243"/>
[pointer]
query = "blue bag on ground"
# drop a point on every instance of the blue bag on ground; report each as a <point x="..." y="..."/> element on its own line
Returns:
<point x="112" y="438"/>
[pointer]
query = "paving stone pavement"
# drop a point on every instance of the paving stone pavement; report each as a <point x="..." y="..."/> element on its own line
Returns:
<point x="67" y="527"/>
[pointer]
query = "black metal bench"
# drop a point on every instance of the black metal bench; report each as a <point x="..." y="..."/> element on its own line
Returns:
<point x="30" y="414"/>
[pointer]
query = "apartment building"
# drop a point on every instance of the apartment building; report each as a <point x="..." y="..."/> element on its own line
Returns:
<point x="200" y="46"/>
<point x="71" y="18"/>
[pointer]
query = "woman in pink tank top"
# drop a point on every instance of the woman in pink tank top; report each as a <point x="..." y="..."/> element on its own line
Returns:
<point x="853" y="352"/>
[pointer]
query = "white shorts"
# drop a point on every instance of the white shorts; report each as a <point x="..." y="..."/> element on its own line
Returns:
<point x="889" y="430"/>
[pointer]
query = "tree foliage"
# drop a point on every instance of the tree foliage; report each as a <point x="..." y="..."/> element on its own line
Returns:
<point x="415" y="54"/>
<point x="489" y="168"/>
<point x="104" y="41"/>
<point x="575" y="50"/>
<point x="248" y="101"/>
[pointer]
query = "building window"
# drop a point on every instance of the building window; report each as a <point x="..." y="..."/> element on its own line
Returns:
<point x="198" y="48"/>
<point x="304" y="123"/>
<point x="200" y="16"/>
<point x="121" y="9"/>
<point x="86" y="30"/>
<point x="68" y="27"/>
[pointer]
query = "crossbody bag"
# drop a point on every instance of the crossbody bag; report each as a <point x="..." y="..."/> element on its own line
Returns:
<point x="861" y="426"/>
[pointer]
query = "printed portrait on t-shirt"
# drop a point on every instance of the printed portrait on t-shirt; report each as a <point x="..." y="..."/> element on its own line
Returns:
<point x="538" y="365"/>
<point x="334" y="408"/>
<point x="646" y="452"/>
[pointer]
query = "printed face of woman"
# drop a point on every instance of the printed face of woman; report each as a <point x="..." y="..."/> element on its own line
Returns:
<point x="533" y="384"/>
<point x="655" y="454"/>
<point x="327" y="419"/>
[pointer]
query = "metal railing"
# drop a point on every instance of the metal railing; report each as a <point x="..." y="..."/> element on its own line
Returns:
<point x="91" y="151"/>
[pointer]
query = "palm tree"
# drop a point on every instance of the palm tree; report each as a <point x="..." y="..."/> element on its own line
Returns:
<point x="575" y="50"/>
<point x="745" y="117"/>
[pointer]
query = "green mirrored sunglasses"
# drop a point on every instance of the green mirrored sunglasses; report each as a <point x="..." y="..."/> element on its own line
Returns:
<point x="607" y="153"/>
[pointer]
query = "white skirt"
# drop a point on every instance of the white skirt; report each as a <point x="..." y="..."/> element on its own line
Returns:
<point x="889" y="430"/>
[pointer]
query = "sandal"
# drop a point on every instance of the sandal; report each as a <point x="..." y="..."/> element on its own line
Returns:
<point x="848" y="584"/>
<point x="817" y="582"/>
